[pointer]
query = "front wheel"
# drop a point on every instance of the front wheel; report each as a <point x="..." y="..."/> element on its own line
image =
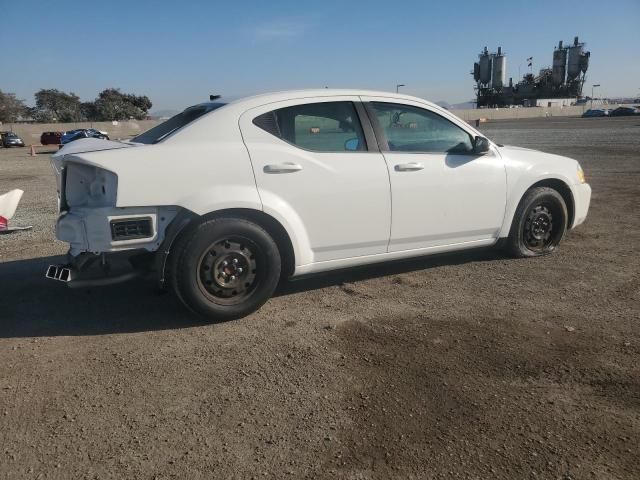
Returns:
<point x="539" y="223"/>
<point x="225" y="268"/>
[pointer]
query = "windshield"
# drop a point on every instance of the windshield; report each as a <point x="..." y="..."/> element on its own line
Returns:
<point x="160" y="132"/>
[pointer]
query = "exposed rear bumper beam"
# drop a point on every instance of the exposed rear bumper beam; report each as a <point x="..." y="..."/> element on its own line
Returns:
<point x="74" y="279"/>
<point x="89" y="270"/>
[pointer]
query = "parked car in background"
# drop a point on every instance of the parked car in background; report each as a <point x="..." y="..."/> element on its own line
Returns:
<point x="624" y="112"/>
<point x="73" y="135"/>
<point x="51" y="138"/>
<point x="10" y="139"/>
<point x="223" y="200"/>
<point x="596" y="112"/>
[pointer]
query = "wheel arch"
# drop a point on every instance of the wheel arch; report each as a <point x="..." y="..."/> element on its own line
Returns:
<point x="271" y="225"/>
<point x="564" y="190"/>
<point x="556" y="183"/>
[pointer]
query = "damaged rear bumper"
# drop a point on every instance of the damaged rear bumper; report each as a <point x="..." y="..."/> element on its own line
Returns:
<point x="109" y="229"/>
<point x="91" y="269"/>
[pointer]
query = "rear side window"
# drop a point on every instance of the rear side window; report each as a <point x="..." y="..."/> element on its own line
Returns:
<point x="320" y="127"/>
<point x="160" y="132"/>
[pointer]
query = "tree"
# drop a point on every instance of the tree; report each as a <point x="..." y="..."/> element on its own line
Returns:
<point x="90" y="111"/>
<point x="11" y="108"/>
<point x="54" y="105"/>
<point x="112" y="104"/>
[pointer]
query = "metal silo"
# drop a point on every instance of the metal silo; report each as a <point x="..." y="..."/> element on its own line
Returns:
<point x="575" y="60"/>
<point x="499" y="69"/>
<point x="584" y="62"/>
<point x="485" y="67"/>
<point x="559" y="64"/>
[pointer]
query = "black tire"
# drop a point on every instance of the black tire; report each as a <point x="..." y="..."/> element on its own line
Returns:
<point x="221" y="291"/>
<point x="539" y="223"/>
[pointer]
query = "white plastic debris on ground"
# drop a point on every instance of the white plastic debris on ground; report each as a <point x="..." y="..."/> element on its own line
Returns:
<point x="8" y="205"/>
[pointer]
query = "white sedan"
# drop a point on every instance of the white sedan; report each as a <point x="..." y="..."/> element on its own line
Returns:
<point x="223" y="200"/>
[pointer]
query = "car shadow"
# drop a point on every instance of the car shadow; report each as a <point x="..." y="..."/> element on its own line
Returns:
<point x="32" y="306"/>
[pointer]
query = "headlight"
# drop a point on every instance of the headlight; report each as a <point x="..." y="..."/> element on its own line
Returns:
<point x="90" y="186"/>
<point x="581" y="178"/>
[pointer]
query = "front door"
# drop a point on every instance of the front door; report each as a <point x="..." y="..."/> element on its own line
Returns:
<point x="311" y="159"/>
<point x="442" y="192"/>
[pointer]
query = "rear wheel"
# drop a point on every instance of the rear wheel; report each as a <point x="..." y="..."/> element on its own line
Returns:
<point x="225" y="268"/>
<point x="539" y="223"/>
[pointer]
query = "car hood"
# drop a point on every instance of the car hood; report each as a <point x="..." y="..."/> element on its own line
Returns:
<point x="529" y="154"/>
<point x="543" y="164"/>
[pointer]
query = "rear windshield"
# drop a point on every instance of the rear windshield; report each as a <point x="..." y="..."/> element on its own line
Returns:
<point x="159" y="132"/>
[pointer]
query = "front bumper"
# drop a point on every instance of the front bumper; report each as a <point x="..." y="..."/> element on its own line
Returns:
<point x="582" y="199"/>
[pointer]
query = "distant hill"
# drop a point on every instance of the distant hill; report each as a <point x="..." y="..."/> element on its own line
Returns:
<point x="163" y="113"/>
<point x="457" y="106"/>
<point x="443" y="104"/>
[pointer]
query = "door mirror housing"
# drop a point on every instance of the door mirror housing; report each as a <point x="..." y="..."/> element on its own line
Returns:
<point x="481" y="145"/>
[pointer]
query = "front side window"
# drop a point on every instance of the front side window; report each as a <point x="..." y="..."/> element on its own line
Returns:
<point x="413" y="129"/>
<point x="320" y="127"/>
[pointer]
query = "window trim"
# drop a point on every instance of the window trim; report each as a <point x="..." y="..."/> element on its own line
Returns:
<point x="383" y="142"/>
<point x="368" y="131"/>
<point x="367" y="128"/>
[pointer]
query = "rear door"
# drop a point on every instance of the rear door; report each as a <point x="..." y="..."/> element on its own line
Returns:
<point x="312" y="160"/>
<point x="442" y="192"/>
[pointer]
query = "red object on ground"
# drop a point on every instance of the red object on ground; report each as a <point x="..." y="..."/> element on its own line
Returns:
<point x="4" y="223"/>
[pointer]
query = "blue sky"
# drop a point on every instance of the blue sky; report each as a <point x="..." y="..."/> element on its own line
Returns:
<point x="179" y="52"/>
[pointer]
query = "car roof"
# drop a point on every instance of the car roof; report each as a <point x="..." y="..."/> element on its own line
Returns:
<point x="265" y="98"/>
<point x="238" y="107"/>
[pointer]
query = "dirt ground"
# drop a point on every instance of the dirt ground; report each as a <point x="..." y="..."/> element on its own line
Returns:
<point x="462" y="366"/>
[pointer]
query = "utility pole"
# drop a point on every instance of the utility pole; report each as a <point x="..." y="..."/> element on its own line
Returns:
<point x="398" y="86"/>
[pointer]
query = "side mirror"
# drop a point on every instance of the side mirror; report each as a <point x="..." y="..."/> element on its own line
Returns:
<point x="481" y="145"/>
<point x="352" y="145"/>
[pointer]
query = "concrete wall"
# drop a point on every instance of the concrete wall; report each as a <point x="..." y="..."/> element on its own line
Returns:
<point x="513" y="113"/>
<point x="530" y="112"/>
<point x="30" y="132"/>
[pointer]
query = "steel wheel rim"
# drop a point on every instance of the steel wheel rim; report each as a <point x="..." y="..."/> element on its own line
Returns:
<point x="228" y="270"/>
<point x="539" y="232"/>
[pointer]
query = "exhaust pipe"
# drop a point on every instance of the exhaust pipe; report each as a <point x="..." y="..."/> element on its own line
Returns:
<point x="51" y="272"/>
<point x="58" y="272"/>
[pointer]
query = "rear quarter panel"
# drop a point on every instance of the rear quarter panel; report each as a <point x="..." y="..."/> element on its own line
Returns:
<point x="204" y="168"/>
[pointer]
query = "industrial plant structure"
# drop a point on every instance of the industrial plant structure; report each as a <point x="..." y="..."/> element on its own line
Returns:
<point x="559" y="85"/>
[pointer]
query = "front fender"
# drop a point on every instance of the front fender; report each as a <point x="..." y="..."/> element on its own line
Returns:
<point x="517" y="191"/>
<point x="525" y="168"/>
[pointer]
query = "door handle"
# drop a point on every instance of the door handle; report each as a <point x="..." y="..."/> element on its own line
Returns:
<point x="287" y="167"/>
<point x="409" y="167"/>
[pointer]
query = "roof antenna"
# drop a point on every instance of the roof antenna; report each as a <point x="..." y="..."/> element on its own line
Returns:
<point x="213" y="98"/>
